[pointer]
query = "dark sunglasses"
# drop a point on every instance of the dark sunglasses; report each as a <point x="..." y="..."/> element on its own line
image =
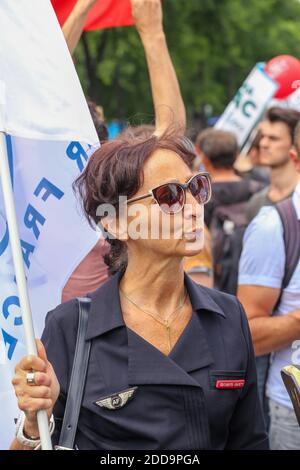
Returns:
<point x="171" y="197"/>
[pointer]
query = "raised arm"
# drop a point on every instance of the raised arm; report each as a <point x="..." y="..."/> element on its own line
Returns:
<point x="168" y="104"/>
<point x="73" y="26"/>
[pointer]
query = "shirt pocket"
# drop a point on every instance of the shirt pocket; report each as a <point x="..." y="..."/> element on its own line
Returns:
<point x="227" y="380"/>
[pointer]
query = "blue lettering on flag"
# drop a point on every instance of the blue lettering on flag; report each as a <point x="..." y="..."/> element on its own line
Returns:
<point x="75" y="151"/>
<point x="11" y="341"/>
<point x="50" y="189"/>
<point x="4" y="241"/>
<point x="27" y="249"/>
<point x="31" y="218"/>
<point x="12" y="300"/>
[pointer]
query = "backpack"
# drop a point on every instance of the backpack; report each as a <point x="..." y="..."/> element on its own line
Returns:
<point x="291" y="237"/>
<point x="227" y="227"/>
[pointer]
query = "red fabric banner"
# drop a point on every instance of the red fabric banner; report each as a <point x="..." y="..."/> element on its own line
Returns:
<point x="104" y="14"/>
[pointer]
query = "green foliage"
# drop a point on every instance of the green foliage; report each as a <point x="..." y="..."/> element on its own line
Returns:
<point x="214" y="45"/>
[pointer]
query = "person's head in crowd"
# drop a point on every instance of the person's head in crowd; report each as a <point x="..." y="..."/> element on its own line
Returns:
<point x="132" y="166"/>
<point x="98" y="120"/>
<point x="277" y="131"/>
<point x="218" y="149"/>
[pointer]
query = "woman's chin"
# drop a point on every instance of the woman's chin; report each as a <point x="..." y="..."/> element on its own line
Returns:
<point x="193" y="247"/>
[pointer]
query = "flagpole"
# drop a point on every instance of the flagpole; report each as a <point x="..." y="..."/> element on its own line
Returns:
<point x="16" y="250"/>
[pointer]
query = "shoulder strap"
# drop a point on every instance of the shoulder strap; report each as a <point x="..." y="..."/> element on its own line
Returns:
<point x="291" y="234"/>
<point x="255" y="186"/>
<point x="77" y="382"/>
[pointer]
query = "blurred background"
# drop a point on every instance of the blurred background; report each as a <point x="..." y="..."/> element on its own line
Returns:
<point x="213" y="43"/>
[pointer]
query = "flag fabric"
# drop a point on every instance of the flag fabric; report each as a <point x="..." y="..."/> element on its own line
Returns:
<point x="104" y="14"/>
<point x="50" y="135"/>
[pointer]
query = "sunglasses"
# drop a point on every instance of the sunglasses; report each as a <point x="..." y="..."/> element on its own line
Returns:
<point x="171" y="197"/>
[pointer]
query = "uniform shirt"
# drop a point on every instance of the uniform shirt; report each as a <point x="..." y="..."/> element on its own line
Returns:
<point x="175" y="403"/>
<point x="263" y="264"/>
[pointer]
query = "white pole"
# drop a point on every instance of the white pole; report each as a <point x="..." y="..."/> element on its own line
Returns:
<point x="20" y="277"/>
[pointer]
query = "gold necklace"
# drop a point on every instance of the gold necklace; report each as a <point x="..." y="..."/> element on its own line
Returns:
<point x="165" y="322"/>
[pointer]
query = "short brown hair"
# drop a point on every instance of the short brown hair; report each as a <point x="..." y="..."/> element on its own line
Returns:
<point x="220" y="147"/>
<point x="288" y="116"/>
<point x="116" y="169"/>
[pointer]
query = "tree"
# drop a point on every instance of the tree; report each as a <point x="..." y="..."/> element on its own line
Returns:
<point x="214" y="45"/>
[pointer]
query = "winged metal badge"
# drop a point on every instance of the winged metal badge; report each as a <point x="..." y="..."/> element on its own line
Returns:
<point x="117" y="400"/>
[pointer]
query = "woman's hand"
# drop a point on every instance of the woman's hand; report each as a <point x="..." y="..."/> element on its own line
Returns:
<point x="147" y="16"/>
<point x="42" y="395"/>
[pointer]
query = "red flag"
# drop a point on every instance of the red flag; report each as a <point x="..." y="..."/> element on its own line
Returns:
<point x="104" y="14"/>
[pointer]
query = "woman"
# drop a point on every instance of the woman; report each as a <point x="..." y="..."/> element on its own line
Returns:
<point x="183" y="351"/>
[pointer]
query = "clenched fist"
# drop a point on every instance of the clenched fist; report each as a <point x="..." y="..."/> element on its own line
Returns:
<point x="147" y="16"/>
<point x="40" y="395"/>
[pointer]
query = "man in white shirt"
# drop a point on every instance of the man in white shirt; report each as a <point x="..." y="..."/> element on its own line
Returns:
<point x="275" y="328"/>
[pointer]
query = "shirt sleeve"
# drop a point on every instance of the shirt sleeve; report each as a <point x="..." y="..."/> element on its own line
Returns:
<point x="247" y="428"/>
<point x="262" y="260"/>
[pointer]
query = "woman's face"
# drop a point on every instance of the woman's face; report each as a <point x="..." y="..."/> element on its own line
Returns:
<point x="151" y="229"/>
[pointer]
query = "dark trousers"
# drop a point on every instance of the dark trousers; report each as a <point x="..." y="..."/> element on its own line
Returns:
<point x="262" y="367"/>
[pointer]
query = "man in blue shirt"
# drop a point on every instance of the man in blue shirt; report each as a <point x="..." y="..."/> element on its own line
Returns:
<point x="275" y="328"/>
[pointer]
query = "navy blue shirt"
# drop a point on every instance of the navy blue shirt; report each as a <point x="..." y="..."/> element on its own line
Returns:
<point x="203" y="395"/>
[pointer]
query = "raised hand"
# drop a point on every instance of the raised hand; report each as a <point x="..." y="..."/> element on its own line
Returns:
<point x="147" y="16"/>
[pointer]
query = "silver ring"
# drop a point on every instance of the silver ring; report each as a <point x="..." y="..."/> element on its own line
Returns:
<point x="30" y="378"/>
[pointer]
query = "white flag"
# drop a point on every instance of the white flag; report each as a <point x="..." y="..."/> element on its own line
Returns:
<point x="246" y="108"/>
<point x="49" y="137"/>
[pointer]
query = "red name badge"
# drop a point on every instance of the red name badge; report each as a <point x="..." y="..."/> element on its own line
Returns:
<point x="230" y="384"/>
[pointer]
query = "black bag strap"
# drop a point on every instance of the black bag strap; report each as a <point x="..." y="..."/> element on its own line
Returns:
<point x="291" y="236"/>
<point x="78" y="376"/>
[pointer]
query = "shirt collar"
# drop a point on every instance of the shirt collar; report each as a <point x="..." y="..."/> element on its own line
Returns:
<point x="106" y="314"/>
<point x="201" y="298"/>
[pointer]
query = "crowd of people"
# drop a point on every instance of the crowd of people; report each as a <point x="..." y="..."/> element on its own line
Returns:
<point x="172" y="328"/>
